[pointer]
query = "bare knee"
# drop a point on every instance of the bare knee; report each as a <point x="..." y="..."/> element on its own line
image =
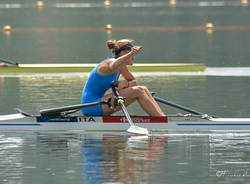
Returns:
<point x="140" y="90"/>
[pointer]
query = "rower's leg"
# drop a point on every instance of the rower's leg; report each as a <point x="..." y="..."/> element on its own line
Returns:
<point x="140" y="94"/>
<point x="144" y="98"/>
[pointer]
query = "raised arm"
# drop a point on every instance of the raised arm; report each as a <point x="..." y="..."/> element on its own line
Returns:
<point x="125" y="59"/>
<point x="115" y="65"/>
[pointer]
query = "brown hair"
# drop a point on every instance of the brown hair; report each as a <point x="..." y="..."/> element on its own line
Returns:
<point x="116" y="46"/>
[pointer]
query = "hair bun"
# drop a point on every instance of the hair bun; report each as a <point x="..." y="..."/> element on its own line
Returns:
<point x="111" y="44"/>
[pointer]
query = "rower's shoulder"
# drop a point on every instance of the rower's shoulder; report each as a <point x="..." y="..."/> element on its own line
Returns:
<point x="107" y="61"/>
<point x="105" y="66"/>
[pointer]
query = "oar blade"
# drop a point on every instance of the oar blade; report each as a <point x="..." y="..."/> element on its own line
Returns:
<point x="11" y="117"/>
<point x="137" y="130"/>
<point x="120" y="101"/>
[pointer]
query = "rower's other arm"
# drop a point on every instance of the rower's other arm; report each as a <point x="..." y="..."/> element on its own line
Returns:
<point x="130" y="79"/>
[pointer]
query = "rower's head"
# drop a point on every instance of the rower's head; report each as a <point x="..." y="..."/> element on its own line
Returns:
<point x="120" y="47"/>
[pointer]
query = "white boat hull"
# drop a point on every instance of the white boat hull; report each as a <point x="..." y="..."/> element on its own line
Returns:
<point x="19" y="122"/>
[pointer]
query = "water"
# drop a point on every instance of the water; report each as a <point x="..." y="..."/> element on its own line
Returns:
<point x="169" y="157"/>
<point x="73" y="32"/>
<point x="168" y="34"/>
<point x="120" y="158"/>
<point x="217" y="96"/>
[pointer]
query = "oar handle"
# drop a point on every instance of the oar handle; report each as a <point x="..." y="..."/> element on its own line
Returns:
<point x="118" y="99"/>
<point x="113" y="86"/>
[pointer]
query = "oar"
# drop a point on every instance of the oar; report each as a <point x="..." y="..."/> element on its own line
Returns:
<point x="59" y="110"/>
<point x="9" y="61"/>
<point x="120" y="101"/>
<point x="203" y="115"/>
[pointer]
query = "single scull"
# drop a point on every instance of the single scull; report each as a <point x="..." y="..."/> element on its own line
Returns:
<point x="59" y="119"/>
<point x="21" y="122"/>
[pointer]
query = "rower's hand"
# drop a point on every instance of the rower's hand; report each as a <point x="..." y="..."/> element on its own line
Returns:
<point x="184" y="115"/>
<point x="136" y="49"/>
<point x="187" y="115"/>
<point x="122" y="85"/>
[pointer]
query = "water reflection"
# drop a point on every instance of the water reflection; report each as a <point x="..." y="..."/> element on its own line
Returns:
<point x="11" y="155"/>
<point x="229" y="156"/>
<point x="121" y="158"/>
<point x="169" y="157"/>
<point x="39" y="157"/>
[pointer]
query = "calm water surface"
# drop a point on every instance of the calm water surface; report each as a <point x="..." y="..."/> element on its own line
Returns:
<point x="167" y="157"/>
<point x="217" y="96"/>
<point x="118" y="158"/>
<point x="73" y="32"/>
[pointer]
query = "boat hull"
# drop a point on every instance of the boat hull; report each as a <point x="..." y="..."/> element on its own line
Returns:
<point x="119" y="123"/>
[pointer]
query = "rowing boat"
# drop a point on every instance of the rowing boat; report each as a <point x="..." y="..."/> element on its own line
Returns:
<point x="21" y="122"/>
<point x="77" y="68"/>
<point x="60" y="118"/>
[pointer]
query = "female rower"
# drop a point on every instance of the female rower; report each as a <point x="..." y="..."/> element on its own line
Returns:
<point x="108" y="71"/>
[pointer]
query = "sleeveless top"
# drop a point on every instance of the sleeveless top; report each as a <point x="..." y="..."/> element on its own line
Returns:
<point x="97" y="84"/>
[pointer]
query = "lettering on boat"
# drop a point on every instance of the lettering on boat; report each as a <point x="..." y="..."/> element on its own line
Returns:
<point x="86" y="119"/>
<point x="66" y="119"/>
<point x="135" y="119"/>
<point x="59" y="119"/>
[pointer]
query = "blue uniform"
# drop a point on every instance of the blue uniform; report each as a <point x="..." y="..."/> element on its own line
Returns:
<point x="95" y="88"/>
